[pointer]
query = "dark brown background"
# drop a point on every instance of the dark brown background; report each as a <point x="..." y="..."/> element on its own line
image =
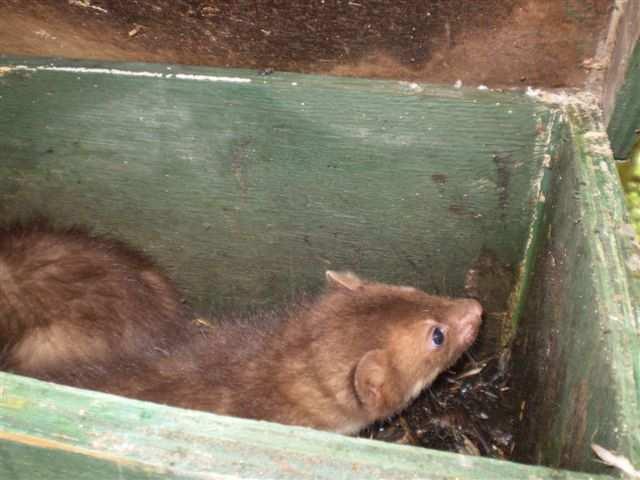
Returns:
<point x="495" y="42"/>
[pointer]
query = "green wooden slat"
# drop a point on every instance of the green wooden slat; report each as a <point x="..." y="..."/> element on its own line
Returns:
<point x="19" y="461"/>
<point x="579" y="343"/>
<point x="625" y="120"/>
<point x="291" y="173"/>
<point x="69" y="432"/>
<point x="616" y="280"/>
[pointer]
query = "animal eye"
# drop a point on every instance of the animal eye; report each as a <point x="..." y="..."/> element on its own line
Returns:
<point x="437" y="337"/>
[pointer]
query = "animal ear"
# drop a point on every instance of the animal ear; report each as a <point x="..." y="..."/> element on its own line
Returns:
<point x="348" y="280"/>
<point x="369" y="380"/>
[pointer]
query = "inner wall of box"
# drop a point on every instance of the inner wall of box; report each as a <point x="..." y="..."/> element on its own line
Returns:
<point x="561" y="366"/>
<point x="247" y="192"/>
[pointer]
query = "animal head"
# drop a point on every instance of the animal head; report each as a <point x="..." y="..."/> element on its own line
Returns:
<point x="400" y="337"/>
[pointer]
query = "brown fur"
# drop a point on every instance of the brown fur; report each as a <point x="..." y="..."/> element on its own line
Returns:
<point x="359" y="352"/>
<point x="69" y="297"/>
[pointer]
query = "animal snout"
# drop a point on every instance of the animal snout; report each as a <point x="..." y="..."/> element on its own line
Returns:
<point x="473" y="310"/>
<point x="471" y="320"/>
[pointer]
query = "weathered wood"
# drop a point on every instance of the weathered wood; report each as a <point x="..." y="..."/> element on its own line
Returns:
<point x="248" y="191"/>
<point x="625" y="119"/>
<point x="578" y="343"/>
<point x="53" y="432"/>
<point x="247" y="187"/>
<point x="26" y="459"/>
<point x="613" y="53"/>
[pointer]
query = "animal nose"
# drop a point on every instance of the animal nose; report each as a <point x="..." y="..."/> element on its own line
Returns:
<point x="473" y="311"/>
<point x="470" y="321"/>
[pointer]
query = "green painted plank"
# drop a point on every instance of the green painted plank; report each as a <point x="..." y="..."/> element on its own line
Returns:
<point x="625" y="120"/>
<point x="257" y="187"/>
<point x="247" y="190"/>
<point x="550" y="138"/>
<point x="22" y="461"/>
<point x="579" y="343"/>
<point x="68" y="432"/>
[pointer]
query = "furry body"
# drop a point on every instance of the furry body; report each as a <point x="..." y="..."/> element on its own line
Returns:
<point x="93" y="313"/>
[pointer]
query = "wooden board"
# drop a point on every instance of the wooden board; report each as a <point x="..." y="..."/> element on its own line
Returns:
<point x="578" y="347"/>
<point x="54" y="432"/>
<point x="247" y="189"/>
<point x="625" y="119"/>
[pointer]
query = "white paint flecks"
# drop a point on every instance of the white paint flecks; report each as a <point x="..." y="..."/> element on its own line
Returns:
<point x="100" y="71"/>
<point x="600" y="148"/>
<point x="596" y="135"/>
<point x="131" y="73"/>
<point x="412" y="86"/>
<point x="87" y="4"/>
<point x="211" y="78"/>
<point x="564" y="98"/>
<point x="533" y="92"/>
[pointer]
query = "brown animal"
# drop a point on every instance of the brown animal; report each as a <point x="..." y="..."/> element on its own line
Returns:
<point x="91" y="313"/>
<point x="67" y="297"/>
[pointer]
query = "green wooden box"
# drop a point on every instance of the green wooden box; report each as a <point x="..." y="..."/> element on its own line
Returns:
<point x="247" y="187"/>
